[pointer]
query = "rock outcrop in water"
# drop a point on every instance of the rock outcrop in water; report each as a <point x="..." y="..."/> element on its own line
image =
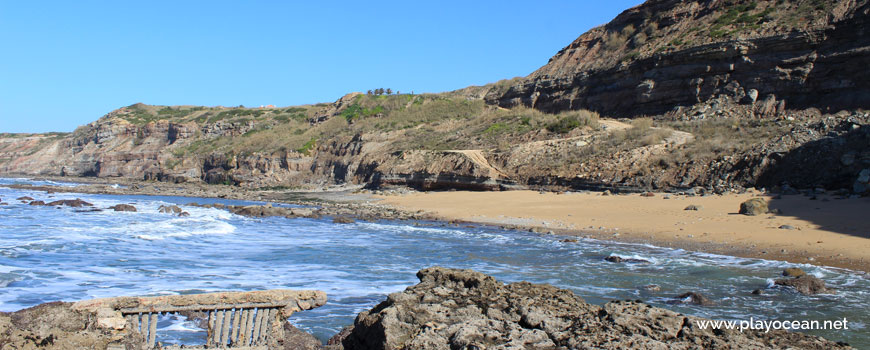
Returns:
<point x="464" y="309"/>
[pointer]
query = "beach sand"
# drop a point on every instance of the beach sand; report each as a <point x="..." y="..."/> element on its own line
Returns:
<point x="824" y="231"/>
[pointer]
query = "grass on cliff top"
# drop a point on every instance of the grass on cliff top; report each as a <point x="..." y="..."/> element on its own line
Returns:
<point x="141" y="114"/>
<point x="428" y="121"/>
<point x="53" y="134"/>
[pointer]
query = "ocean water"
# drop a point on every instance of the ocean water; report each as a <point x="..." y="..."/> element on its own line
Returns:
<point x="49" y="254"/>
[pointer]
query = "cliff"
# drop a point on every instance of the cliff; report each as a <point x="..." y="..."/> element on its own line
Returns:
<point x="741" y="94"/>
<point x="668" y="53"/>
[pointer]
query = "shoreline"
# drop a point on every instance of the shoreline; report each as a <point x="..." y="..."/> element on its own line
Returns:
<point x="626" y="218"/>
<point x="835" y="235"/>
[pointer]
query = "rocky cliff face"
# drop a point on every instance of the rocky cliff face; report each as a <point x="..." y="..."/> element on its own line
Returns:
<point x="112" y="147"/>
<point x="669" y="53"/>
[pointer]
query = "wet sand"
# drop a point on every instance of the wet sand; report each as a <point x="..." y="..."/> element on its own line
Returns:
<point x="824" y="231"/>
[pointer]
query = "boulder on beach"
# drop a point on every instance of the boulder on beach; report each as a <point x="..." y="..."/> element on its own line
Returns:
<point x="464" y="309"/>
<point x="693" y="207"/>
<point x="754" y="206"/>
<point x="123" y="207"/>
<point x="805" y="284"/>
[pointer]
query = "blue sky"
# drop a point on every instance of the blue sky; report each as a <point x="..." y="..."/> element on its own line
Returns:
<point x="67" y="63"/>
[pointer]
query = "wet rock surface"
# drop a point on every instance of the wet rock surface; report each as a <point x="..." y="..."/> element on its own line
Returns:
<point x="691" y="298"/>
<point x="74" y="203"/>
<point x="805" y="284"/>
<point x="169" y="209"/>
<point x="123" y="207"/>
<point x="464" y="309"/>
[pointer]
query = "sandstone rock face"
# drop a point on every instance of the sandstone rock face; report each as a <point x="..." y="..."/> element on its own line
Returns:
<point x="666" y="53"/>
<point x="463" y="309"/>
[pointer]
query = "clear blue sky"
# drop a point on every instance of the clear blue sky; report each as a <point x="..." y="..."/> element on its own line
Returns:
<point x="66" y="63"/>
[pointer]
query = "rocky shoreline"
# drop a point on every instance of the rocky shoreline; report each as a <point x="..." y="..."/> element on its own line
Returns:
<point x="448" y="309"/>
<point x="317" y="204"/>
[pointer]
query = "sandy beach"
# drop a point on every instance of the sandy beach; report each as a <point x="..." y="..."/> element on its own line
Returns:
<point x="823" y="231"/>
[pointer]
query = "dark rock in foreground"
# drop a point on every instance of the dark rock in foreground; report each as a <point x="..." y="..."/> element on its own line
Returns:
<point x="464" y="309"/>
